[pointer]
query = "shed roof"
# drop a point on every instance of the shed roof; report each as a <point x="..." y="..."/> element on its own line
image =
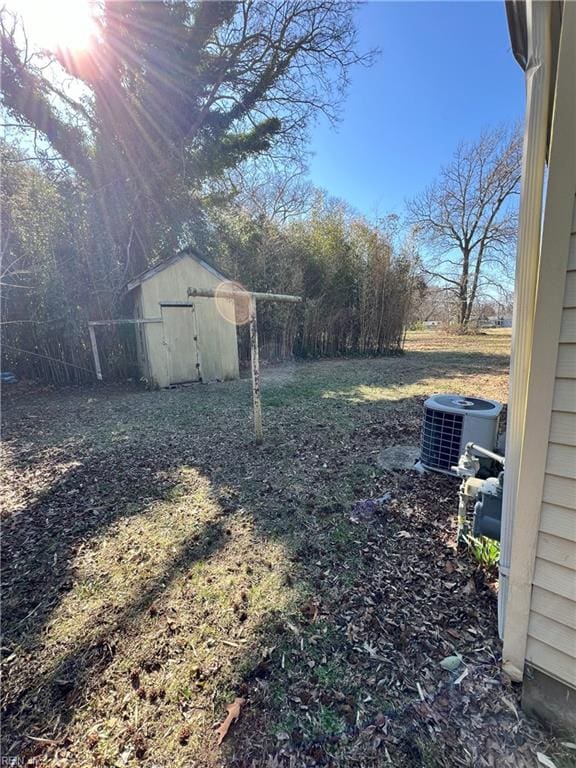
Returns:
<point x="151" y="271"/>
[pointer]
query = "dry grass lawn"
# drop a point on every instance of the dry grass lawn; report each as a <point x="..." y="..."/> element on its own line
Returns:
<point x="157" y="565"/>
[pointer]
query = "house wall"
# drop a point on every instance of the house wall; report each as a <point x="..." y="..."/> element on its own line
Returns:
<point x="539" y="633"/>
<point x="551" y="644"/>
<point x="217" y="343"/>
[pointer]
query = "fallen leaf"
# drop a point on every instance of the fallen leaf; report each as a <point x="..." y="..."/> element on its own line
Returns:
<point x="233" y="715"/>
<point x="545" y="760"/>
<point x="451" y="663"/>
<point x="370" y="649"/>
<point x="568" y="744"/>
<point x="310" y="610"/>
<point x="461" y="677"/>
<point x="510" y="705"/>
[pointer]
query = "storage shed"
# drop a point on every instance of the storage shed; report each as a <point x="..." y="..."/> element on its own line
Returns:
<point x="186" y="340"/>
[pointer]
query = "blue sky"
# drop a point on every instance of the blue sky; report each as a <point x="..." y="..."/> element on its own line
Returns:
<point x="446" y="71"/>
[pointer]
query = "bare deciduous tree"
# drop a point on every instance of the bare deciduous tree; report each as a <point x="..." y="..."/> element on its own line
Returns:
<point x="279" y="192"/>
<point x="468" y="217"/>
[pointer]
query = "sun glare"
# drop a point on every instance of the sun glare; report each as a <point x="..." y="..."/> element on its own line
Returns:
<point x="53" y="24"/>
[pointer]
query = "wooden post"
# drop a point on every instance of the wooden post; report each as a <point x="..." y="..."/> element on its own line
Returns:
<point x="211" y="293"/>
<point x="255" y="363"/>
<point x="95" y="352"/>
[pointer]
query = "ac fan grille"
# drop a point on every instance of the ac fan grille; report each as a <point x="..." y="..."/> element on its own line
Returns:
<point x="441" y="438"/>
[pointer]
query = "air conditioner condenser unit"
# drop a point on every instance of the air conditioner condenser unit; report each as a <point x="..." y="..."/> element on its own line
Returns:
<point x="452" y="421"/>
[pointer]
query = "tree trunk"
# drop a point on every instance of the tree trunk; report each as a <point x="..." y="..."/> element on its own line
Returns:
<point x="463" y="290"/>
<point x="474" y="289"/>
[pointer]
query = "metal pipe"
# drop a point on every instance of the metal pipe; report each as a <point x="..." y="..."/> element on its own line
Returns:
<point x="485" y="452"/>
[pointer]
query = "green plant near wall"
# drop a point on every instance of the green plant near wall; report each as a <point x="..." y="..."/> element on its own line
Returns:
<point x="486" y="551"/>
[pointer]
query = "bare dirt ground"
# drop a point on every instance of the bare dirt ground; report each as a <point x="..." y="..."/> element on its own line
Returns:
<point x="158" y="565"/>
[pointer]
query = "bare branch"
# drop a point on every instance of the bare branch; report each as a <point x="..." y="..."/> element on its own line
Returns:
<point x="469" y="213"/>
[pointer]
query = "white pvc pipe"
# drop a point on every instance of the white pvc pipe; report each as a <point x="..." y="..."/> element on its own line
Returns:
<point x="527" y="262"/>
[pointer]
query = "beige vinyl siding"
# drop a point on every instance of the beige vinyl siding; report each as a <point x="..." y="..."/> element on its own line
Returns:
<point x="560" y="491"/>
<point x="564" y="396"/>
<point x="570" y="291"/>
<point x="560" y="460"/>
<point x="552" y="626"/>
<point x="556" y="549"/>
<point x="555" y="578"/>
<point x="566" y="368"/>
<point x="568" y="329"/>
<point x="542" y="627"/>
<point x="559" y="665"/>
<point x="554" y="607"/>
<point x="558" y="521"/>
<point x="563" y="428"/>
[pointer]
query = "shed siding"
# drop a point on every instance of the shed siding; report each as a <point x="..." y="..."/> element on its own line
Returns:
<point x="217" y="342"/>
<point x="551" y="643"/>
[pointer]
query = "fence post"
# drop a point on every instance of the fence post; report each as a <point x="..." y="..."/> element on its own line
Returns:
<point x="95" y="352"/>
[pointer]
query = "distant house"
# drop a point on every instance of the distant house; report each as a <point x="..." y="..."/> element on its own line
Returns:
<point x="192" y="339"/>
<point x="495" y="321"/>
<point x="537" y="609"/>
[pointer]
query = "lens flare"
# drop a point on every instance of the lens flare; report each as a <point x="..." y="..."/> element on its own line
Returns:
<point x="62" y="24"/>
<point x="235" y="310"/>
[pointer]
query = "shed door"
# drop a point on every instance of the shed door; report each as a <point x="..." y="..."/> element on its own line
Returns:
<point x="181" y="340"/>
